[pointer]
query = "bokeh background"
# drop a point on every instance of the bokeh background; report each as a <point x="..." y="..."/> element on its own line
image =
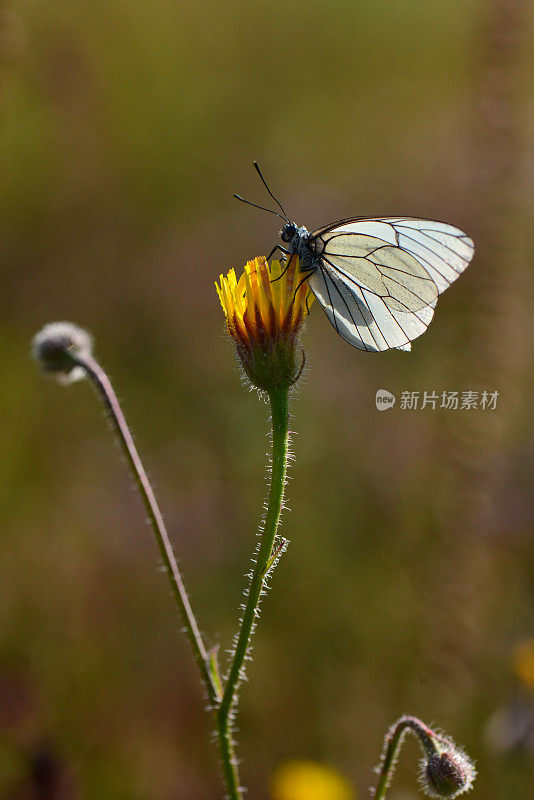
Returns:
<point x="407" y="587"/>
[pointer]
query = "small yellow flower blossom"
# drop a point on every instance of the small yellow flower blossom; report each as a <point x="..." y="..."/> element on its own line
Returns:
<point x="264" y="312"/>
<point x="307" y="780"/>
<point x="523" y="663"/>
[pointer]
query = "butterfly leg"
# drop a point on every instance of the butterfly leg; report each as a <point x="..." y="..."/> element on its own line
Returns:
<point x="307" y="273"/>
<point x="275" y="248"/>
<point x="286" y="253"/>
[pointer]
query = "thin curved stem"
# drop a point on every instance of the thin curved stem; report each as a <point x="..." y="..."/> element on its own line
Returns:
<point x="109" y="398"/>
<point x="280" y="424"/>
<point x="393" y="743"/>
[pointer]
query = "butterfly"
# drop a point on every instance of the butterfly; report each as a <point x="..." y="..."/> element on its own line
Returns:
<point x="377" y="278"/>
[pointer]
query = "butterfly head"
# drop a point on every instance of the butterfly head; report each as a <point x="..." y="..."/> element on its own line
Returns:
<point x="294" y="236"/>
<point x="287" y="234"/>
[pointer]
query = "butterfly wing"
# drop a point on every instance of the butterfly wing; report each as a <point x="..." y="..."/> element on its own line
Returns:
<point x="378" y="280"/>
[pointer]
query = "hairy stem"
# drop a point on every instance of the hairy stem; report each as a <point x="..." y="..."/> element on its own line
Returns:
<point x="280" y="424"/>
<point x="109" y="398"/>
<point x="393" y="743"/>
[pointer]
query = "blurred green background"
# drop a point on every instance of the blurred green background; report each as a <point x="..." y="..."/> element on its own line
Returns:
<point x="407" y="587"/>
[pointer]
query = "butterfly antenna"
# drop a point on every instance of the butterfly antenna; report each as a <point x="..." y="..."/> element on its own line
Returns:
<point x="262" y="208"/>
<point x="278" y="203"/>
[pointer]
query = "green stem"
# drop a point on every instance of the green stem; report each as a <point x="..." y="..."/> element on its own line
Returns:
<point x="109" y="398"/>
<point x="393" y="743"/>
<point x="280" y="424"/>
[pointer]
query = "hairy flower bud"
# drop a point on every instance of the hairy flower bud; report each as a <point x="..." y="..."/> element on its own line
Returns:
<point x="56" y="347"/>
<point x="448" y="774"/>
<point x="446" y="770"/>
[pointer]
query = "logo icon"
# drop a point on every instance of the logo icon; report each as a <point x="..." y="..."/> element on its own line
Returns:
<point x="384" y="399"/>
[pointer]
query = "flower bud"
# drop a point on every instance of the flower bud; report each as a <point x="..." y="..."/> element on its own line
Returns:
<point x="56" y="348"/>
<point x="446" y="771"/>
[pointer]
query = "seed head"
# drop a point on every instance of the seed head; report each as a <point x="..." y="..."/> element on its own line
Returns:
<point x="56" y="347"/>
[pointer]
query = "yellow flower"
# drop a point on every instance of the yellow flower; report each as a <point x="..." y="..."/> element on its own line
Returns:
<point x="523" y="663"/>
<point x="307" y="780"/>
<point x="264" y="312"/>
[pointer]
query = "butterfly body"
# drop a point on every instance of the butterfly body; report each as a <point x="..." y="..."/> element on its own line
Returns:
<point x="299" y="243"/>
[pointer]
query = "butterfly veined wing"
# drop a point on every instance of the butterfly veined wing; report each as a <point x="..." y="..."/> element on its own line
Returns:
<point x="362" y="318"/>
<point x="378" y="280"/>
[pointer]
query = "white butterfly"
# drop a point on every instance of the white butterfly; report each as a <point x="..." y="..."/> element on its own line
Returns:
<point x="378" y="279"/>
